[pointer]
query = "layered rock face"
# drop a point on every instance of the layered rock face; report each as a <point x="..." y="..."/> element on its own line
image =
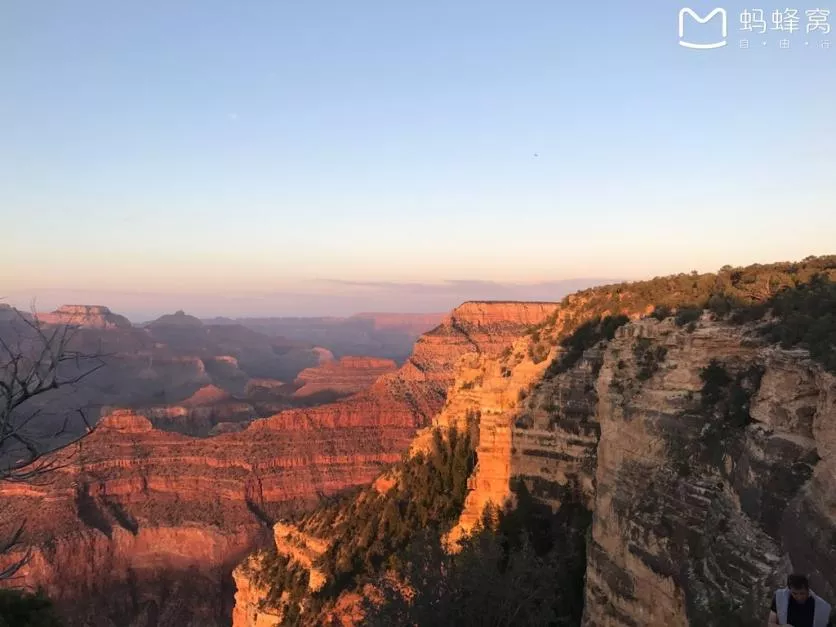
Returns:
<point x="698" y="513"/>
<point x="89" y="316"/>
<point x="343" y="377"/>
<point x="703" y="455"/>
<point x="701" y="499"/>
<point x="417" y="393"/>
<point x="531" y="427"/>
<point x="130" y="496"/>
<point x="132" y="506"/>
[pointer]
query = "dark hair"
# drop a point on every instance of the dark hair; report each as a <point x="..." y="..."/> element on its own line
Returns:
<point x="798" y="582"/>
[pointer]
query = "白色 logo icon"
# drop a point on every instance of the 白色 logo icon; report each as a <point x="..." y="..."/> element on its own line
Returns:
<point x="724" y="26"/>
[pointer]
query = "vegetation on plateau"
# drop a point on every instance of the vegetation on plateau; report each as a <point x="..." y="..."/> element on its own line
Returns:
<point x="584" y="337"/>
<point x="371" y="531"/>
<point x="795" y="304"/>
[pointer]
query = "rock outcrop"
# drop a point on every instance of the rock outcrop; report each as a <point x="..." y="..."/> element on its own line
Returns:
<point x="200" y="413"/>
<point x="88" y="316"/>
<point x="342" y="377"/>
<point x="698" y="514"/>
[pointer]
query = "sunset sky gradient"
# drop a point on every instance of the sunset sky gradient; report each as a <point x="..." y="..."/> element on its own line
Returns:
<point x="157" y="154"/>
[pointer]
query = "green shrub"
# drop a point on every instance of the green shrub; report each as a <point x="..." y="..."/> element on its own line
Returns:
<point x="648" y="358"/>
<point x="521" y="566"/>
<point x="660" y="312"/>
<point x="805" y="317"/>
<point x="715" y="380"/>
<point x="538" y="352"/>
<point x="728" y="395"/>
<point x="584" y="337"/>
<point x="687" y="315"/>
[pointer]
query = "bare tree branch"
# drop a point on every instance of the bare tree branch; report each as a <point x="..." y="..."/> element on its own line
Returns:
<point x="39" y="360"/>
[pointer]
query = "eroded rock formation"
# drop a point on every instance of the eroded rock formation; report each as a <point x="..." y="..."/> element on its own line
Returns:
<point x="342" y="377"/>
<point x="703" y="453"/>
<point x="136" y="501"/>
<point x="89" y="316"/>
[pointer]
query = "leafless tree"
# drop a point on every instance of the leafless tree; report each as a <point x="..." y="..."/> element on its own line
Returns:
<point x="35" y="360"/>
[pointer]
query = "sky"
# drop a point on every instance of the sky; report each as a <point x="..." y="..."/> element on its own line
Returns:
<point x="290" y="158"/>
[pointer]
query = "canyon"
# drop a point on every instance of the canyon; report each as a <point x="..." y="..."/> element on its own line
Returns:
<point x="386" y="335"/>
<point x="685" y="427"/>
<point x="159" y="517"/>
<point x="160" y="369"/>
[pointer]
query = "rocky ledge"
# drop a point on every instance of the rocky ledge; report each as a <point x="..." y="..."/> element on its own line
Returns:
<point x="343" y="377"/>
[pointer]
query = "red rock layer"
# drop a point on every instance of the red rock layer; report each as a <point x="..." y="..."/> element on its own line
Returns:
<point x="128" y="485"/>
<point x="346" y="376"/>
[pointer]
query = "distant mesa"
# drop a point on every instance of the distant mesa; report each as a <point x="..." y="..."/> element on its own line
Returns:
<point x="418" y="323"/>
<point x="348" y="375"/>
<point x="177" y="319"/>
<point x="88" y="316"/>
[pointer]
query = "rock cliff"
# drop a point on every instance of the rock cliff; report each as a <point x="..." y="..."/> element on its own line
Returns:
<point x="699" y="511"/>
<point x="693" y="419"/>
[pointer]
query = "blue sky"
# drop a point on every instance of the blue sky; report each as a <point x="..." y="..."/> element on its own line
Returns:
<point x="205" y="147"/>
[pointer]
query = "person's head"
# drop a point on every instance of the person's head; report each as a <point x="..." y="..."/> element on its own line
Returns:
<point x="799" y="587"/>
